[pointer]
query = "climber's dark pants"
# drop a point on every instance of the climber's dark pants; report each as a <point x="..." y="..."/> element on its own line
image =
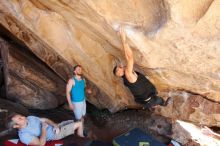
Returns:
<point x="151" y="101"/>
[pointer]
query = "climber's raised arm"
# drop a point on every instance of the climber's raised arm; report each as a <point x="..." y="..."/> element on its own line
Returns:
<point x="129" y="72"/>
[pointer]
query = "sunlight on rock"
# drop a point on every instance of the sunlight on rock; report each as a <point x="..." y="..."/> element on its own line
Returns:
<point x="198" y="136"/>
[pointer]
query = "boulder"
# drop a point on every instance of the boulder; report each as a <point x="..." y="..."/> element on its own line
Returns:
<point x="175" y="44"/>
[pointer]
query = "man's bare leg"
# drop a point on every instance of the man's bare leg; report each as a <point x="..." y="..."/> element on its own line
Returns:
<point x="79" y="127"/>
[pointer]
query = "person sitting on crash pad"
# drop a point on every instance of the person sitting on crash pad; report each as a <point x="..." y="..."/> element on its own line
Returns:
<point x="36" y="131"/>
<point x="142" y="89"/>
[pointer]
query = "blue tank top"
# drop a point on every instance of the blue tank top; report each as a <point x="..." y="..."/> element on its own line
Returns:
<point x="78" y="90"/>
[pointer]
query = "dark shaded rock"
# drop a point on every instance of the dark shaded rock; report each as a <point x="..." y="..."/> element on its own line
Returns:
<point x="9" y="106"/>
<point x="6" y="108"/>
<point x="30" y="81"/>
<point x="121" y="122"/>
<point x="3" y="69"/>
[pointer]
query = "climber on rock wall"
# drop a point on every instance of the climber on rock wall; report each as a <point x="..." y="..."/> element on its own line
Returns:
<point x="142" y="89"/>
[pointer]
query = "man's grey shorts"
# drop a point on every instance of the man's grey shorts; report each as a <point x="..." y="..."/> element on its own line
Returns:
<point x="79" y="109"/>
<point x="66" y="129"/>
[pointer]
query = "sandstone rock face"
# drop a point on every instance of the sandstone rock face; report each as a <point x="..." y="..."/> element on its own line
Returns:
<point x="190" y="107"/>
<point x="176" y="44"/>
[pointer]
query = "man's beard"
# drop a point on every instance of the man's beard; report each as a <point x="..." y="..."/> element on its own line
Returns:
<point x="79" y="74"/>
